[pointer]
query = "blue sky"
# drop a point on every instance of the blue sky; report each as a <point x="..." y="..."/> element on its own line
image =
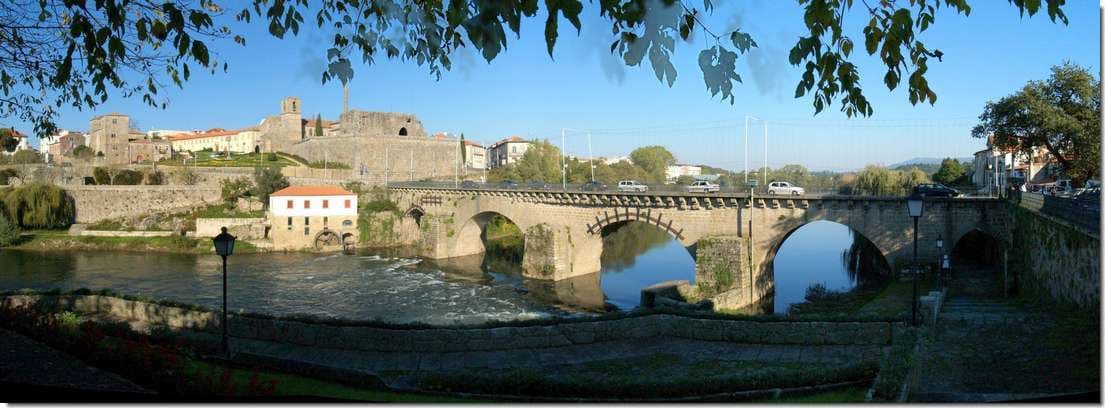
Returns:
<point x="989" y="54"/>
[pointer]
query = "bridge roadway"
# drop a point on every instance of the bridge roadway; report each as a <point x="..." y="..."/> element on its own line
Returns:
<point x="732" y="236"/>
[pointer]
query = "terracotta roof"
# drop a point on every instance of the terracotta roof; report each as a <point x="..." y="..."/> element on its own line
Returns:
<point x="210" y="133"/>
<point x="312" y="191"/>
<point x="514" y="139"/>
<point x="471" y="143"/>
<point x="325" y="123"/>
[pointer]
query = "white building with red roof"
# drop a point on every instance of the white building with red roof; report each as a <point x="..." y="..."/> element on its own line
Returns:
<point x="313" y="217"/>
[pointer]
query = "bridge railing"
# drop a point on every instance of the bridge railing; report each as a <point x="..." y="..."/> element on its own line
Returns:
<point x="1082" y="212"/>
<point x="575" y="187"/>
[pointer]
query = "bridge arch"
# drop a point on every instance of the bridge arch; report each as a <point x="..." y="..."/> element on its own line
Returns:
<point x="609" y="221"/>
<point x="415" y="212"/>
<point x="470" y="236"/>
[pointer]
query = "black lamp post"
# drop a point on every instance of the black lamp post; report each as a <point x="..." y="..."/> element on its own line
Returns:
<point x="224" y="246"/>
<point x="940" y="267"/>
<point x="916" y="206"/>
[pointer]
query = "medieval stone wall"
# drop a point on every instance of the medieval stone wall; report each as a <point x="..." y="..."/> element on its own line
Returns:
<point x="1054" y="259"/>
<point x="378" y="159"/>
<point x="95" y="203"/>
<point x="380" y="124"/>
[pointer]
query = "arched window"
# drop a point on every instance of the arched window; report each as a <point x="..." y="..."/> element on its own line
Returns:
<point x="402" y="131"/>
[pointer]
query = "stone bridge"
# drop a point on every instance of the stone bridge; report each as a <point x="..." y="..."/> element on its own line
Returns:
<point x="733" y="239"/>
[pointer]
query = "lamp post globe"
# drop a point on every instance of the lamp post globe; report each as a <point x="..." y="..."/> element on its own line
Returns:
<point x="224" y="247"/>
<point x="916" y="206"/>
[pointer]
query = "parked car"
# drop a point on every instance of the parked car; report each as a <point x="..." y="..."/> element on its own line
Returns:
<point x="632" y="185"/>
<point x="703" y="186"/>
<point x="592" y="186"/>
<point x="538" y="185"/>
<point x="935" y="190"/>
<point x="782" y="187"/>
<point x="1089" y="200"/>
<point x="508" y="184"/>
<point x="469" y="184"/>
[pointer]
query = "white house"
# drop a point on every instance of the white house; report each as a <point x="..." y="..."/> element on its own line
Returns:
<point x="218" y="140"/>
<point x="679" y="170"/>
<point x="303" y="217"/>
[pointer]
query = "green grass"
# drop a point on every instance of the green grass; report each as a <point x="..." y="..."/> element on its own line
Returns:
<point x="894" y="300"/>
<point x="211" y="159"/>
<point x="221" y="211"/>
<point x="327" y="165"/>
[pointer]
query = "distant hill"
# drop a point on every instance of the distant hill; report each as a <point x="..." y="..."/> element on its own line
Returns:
<point x="919" y="161"/>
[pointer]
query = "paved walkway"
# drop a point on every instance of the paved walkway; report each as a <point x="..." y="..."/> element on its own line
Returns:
<point x="25" y="361"/>
<point x="990" y="348"/>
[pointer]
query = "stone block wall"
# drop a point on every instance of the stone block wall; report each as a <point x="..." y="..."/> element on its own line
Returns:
<point x="243" y="228"/>
<point x="375" y="159"/>
<point x="435" y="340"/>
<point x="95" y="203"/>
<point x="1055" y="260"/>
<point x="721" y="272"/>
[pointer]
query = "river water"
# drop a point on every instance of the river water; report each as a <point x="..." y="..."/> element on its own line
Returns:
<point x="388" y="286"/>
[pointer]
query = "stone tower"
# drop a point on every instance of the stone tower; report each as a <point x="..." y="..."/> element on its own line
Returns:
<point x="291" y="105"/>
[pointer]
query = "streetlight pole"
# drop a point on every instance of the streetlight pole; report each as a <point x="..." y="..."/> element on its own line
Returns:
<point x="563" y="165"/>
<point x="590" y="157"/>
<point x="224" y="247"/>
<point x="916" y="206"/>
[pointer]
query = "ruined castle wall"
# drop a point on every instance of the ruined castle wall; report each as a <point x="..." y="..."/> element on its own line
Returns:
<point x="95" y="203"/>
<point x="379" y="158"/>
<point x="381" y="124"/>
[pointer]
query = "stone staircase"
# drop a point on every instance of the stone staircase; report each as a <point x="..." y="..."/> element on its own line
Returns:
<point x="981" y="311"/>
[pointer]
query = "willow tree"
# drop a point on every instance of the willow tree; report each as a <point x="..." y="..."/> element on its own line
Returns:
<point x="39" y="205"/>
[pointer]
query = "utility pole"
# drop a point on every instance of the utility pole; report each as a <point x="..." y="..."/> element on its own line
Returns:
<point x="746" y="119"/>
<point x="345" y="92"/>
<point x="456" y="169"/>
<point x="765" y="153"/>
<point x="563" y="165"/>
<point x="591" y="157"/>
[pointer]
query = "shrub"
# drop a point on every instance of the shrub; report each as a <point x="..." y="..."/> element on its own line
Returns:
<point x="9" y="232"/>
<point x="817" y="291"/>
<point x="271" y="157"/>
<point x="101" y="176"/>
<point x="186" y="176"/>
<point x="233" y="189"/>
<point x="267" y="181"/>
<point x="127" y="178"/>
<point x="155" y="178"/>
<point x="7" y="174"/>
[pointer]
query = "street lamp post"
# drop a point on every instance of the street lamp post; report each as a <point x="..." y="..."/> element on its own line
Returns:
<point x="940" y="268"/>
<point x="224" y="247"/>
<point x="916" y="206"/>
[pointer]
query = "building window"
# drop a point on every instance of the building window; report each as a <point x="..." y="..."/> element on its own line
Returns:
<point x="306" y="220"/>
<point x="307" y="204"/>
<point x="306" y="230"/>
<point x="289" y="221"/>
<point x="325" y="203"/>
<point x="348" y="203"/>
<point x="402" y="131"/>
<point x="347" y="223"/>
<point x="325" y="221"/>
<point x="290" y="206"/>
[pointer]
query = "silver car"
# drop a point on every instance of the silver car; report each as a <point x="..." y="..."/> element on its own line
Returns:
<point x="703" y="186"/>
<point x="784" y="188"/>
<point x="632" y="186"/>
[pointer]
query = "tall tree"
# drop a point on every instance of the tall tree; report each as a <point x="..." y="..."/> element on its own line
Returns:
<point x="318" y="125"/>
<point x="950" y="172"/>
<point x="1061" y="114"/>
<point x="463" y="149"/>
<point x="654" y="160"/>
<point x="56" y="53"/>
<point x="267" y="180"/>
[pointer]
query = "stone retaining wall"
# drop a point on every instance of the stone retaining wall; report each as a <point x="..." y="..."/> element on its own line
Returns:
<point x="366" y="338"/>
<point x="95" y="203"/>
<point x="132" y="234"/>
<point x="244" y="228"/>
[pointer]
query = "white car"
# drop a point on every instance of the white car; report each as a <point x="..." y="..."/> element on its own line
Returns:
<point x="703" y="186"/>
<point x="782" y="187"/>
<point x="632" y="185"/>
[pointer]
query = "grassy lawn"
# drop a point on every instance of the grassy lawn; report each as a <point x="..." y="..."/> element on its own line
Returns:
<point x="894" y="300"/>
<point x="211" y="159"/>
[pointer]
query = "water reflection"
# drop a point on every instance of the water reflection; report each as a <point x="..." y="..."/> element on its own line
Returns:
<point x="637" y="255"/>
<point x="824" y="253"/>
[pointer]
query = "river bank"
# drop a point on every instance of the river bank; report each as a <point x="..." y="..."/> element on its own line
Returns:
<point x="60" y="240"/>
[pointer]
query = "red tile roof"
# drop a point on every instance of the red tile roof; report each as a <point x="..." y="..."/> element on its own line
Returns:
<point x="210" y="133"/>
<point x="312" y="191"/>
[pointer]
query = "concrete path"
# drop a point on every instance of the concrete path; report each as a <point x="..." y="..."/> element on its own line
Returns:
<point x="25" y="361"/>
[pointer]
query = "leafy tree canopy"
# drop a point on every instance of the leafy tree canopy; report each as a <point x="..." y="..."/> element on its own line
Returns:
<point x="654" y="160"/>
<point x="1061" y="114"/>
<point x="950" y="172"/>
<point x="56" y="53"/>
<point x="267" y="180"/>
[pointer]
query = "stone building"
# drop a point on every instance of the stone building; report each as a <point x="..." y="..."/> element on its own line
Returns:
<point x="141" y="150"/>
<point x="108" y="137"/>
<point x="312" y="217"/>
<point x="674" y="172"/>
<point x="506" y="151"/>
<point x="59" y="146"/>
<point x="22" y="143"/>
<point x="281" y="131"/>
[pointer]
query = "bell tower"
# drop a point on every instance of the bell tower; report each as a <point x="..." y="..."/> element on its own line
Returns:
<point x="291" y="104"/>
